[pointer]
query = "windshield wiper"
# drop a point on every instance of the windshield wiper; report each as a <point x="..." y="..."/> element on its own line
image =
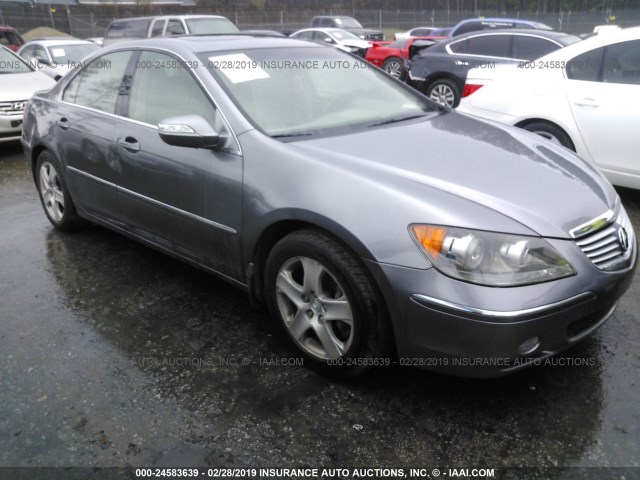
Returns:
<point x="288" y="135"/>
<point x="396" y="120"/>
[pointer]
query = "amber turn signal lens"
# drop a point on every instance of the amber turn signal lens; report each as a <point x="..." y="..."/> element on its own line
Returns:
<point x="430" y="238"/>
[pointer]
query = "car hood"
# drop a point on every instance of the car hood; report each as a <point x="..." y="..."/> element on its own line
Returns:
<point x="355" y="43"/>
<point x="544" y="187"/>
<point x="21" y="86"/>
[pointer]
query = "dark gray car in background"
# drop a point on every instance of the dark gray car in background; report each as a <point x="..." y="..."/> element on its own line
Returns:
<point x="376" y="225"/>
<point x="440" y="71"/>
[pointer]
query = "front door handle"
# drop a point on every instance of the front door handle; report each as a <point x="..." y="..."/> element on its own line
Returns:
<point x="587" y="102"/>
<point x="63" y="123"/>
<point x="461" y="63"/>
<point x="129" y="143"/>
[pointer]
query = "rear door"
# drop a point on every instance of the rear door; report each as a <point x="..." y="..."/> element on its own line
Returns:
<point x="85" y="128"/>
<point x="604" y="97"/>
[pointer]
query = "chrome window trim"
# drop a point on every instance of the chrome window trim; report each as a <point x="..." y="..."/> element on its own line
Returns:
<point x="163" y="50"/>
<point x="421" y="299"/>
<point x="211" y="223"/>
<point x="484" y="34"/>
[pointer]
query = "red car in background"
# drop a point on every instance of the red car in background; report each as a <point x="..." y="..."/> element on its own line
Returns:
<point x="10" y="38"/>
<point x="390" y="56"/>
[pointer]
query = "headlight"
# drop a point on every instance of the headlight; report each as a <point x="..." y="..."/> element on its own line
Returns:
<point x="492" y="259"/>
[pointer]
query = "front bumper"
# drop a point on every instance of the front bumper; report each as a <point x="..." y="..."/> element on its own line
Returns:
<point x="469" y="330"/>
<point x="10" y="128"/>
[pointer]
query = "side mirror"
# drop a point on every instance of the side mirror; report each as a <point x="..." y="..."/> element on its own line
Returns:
<point x="191" y="131"/>
<point x="34" y="63"/>
<point x="328" y="40"/>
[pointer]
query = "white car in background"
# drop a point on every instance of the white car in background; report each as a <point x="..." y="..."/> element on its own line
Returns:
<point x="18" y="82"/>
<point x="337" y="37"/>
<point x="415" y="32"/>
<point x="585" y="96"/>
<point x="56" y="56"/>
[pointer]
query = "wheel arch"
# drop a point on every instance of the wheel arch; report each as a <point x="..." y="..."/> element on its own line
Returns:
<point x="278" y="229"/>
<point x="529" y="121"/>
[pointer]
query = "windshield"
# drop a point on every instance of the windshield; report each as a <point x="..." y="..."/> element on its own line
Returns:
<point x="344" y="35"/>
<point x="62" y="54"/>
<point x="203" y="26"/>
<point x="306" y="91"/>
<point x="347" y="22"/>
<point x="10" y="63"/>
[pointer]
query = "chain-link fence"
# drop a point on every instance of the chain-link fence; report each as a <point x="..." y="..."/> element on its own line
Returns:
<point x="82" y="21"/>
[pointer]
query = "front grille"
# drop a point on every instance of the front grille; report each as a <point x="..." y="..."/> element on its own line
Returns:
<point x="610" y="246"/>
<point x="12" y="108"/>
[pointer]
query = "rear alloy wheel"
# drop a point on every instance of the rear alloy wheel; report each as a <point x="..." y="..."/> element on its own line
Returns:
<point x="393" y="66"/>
<point x="54" y="194"/>
<point x="445" y="92"/>
<point x="326" y="304"/>
<point x="550" y="132"/>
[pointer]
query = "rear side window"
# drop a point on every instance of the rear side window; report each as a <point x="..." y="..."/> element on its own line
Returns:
<point x="158" y="28"/>
<point x="458" y="47"/>
<point x="490" y="46"/>
<point x="175" y="27"/>
<point x="128" y="29"/>
<point x="530" y="48"/>
<point x="7" y="37"/>
<point x="587" y="66"/>
<point x="98" y="84"/>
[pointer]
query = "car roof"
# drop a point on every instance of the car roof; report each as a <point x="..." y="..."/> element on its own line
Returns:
<point x="211" y="43"/>
<point x="498" y="19"/>
<point x="323" y="29"/>
<point x="550" y="34"/>
<point x="50" y="42"/>
<point x="166" y="17"/>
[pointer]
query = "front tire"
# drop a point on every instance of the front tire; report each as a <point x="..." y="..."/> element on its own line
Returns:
<point x="54" y="194"/>
<point x="327" y="304"/>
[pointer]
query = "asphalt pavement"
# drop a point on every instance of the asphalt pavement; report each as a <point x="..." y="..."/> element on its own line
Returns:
<point x="112" y="354"/>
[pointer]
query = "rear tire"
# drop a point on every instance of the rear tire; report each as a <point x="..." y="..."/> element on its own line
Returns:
<point x="327" y="304"/>
<point x="54" y="194"/>
<point x="394" y="67"/>
<point x="445" y="92"/>
<point x="550" y="132"/>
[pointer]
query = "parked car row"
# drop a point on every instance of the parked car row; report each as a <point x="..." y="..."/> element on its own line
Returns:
<point x="585" y="97"/>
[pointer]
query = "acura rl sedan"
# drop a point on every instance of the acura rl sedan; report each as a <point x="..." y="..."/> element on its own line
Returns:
<point x="377" y="226"/>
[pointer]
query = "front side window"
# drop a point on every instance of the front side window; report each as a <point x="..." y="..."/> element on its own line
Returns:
<point x="586" y="67"/>
<point x="160" y="89"/>
<point x="98" y="84"/>
<point x="175" y="28"/>
<point x="622" y="63"/>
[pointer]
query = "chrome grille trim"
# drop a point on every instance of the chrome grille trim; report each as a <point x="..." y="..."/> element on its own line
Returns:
<point x="603" y="245"/>
<point x="7" y="107"/>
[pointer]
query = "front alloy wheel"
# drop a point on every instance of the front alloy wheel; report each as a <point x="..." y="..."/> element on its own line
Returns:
<point x="314" y="308"/>
<point x="327" y="304"/>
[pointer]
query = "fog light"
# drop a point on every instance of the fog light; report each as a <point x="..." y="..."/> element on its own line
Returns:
<point x="529" y="346"/>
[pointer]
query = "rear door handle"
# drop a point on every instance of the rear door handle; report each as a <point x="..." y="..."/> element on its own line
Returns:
<point x="63" y="123"/>
<point x="587" y="102"/>
<point x="462" y="63"/>
<point x="129" y="143"/>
